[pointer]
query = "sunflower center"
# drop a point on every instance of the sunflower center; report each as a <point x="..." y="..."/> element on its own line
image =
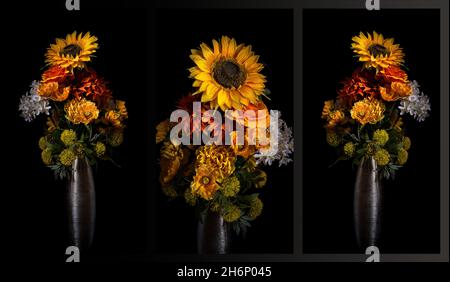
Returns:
<point x="377" y="49"/>
<point x="71" y="49"/>
<point x="205" y="180"/>
<point x="228" y="73"/>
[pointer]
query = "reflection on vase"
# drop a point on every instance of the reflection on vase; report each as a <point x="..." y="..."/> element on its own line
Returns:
<point x="367" y="204"/>
<point x="81" y="204"/>
<point x="213" y="234"/>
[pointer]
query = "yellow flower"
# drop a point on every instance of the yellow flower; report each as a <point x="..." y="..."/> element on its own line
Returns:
<point x="66" y="157"/>
<point x="205" y="182"/>
<point x="256" y="207"/>
<point x="122" y="109"/>
<point x="245" y="150"/>
<point x="230" y="186"/>
<point x="227" y="75"/>
<point x="220" y="158"/>
<point x="335" y="118"/>
<point x="114" y="118"/>
<point x="68" y="137"/>
<point x="100" y="149"/>
<point x="52" y="91"/>
<point x="116" y="138"/>
<point x="380" y="137"/>
<point x="162" y="129"/>
<point x="171" y="156"/>
<point x="382" y="157"/>
<point x="42" y="143"/>
<point x="367" y="111"/>
<point x="402" y="156"/>
<point x="261" y="179"/>
<point x="232" y="213"/>
<point x="406" y="143"/>
<point x="376" y="51"/>
<point x="396" y="91"/>
<point x="327" y="108"/>
<point x="349" y="149"/>
<point x="333" y="139"/>
<point x="46" y="156"/>
<point x="73" y="51"/>
<point x="189" y="197"/>
<point x="81" y="111"/>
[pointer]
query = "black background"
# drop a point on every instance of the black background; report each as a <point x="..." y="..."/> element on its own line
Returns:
<point x="271" y="36"/>
<point x="411" y="211"/>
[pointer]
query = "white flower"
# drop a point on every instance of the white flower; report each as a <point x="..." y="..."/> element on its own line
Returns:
<point x="31" y="104"/>
<point x="417" y="104"/>
<point x="278" y="152"/>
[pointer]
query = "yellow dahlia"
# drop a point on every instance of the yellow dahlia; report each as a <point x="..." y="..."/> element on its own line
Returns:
<point x="380" y="137"/>
<point x="368" y="111"/>
<point x="73" y="51"/>
<point x="81" y="111"/>
<point x="227" y="75"/>
<point x="205" y="182"/>
<point x="382" y="157"/>
<point x="220" y="158"/>
<point x="376" y="51"/>
<point x="66" y="157"/>
<point x="68" y="137"/>
<point x="402" y="156"/>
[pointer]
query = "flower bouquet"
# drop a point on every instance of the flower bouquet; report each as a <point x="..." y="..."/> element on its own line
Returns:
<point x="222" y="176"/>
<point x="365" y="122"/>
<point x="84" y="122"/>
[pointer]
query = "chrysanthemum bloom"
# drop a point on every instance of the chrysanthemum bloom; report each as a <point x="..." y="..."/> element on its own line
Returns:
<point x="376" y="51"/>
<point x="171" y="156"/>
<point x="406" y="143"/>
<point x="227" y="75"/>
<point x="230" y="186"/>
<point x="232" y="213"/>
<point x="402" y="156"/>
<point x="81" y="111"/>
<point x="256" y="207"/>
<point x="380" y="137"/>
<point x="46" y="156"/>
<point x="68" y="137"/>
<point x="221" y="158"/>
<point x="73" y="51"/>
<point x="368" y="111"/>
<point x="93" y="87"/>
<point x="349" y="149"/>
<point x="205" y="182"/>
<point x="335" y="118"/>
<point x="100" y="149"/>
<point x="355" y="88"/>
<point x="113" y="118"/>
<point x="382" y="157"/>
<point x="122" y="109"/>
<point x="397" y="90"/>
<point x="66" y="157"/>
<point x="328" y="107"/>
<point x="53" y="91"/>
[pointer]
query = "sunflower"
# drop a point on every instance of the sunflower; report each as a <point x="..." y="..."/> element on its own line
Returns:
<point x="227" y="75"/>
<point x="376" y="51"/>
<point x="73" y="51"/>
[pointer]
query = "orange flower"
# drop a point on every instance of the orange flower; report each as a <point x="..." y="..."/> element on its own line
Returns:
<point x="55" y="74"/>
<point x="205" y="183"/>
<point x="53" y="91"/>
<point x="368" y="111"/>
<point x="244" y="150"/>
<point x="355" y="88"/>
<point x="396" y="91"/>
<point x="81" y="111"/>
<point x="93" y="86"/>
<point x="392" y="74"/>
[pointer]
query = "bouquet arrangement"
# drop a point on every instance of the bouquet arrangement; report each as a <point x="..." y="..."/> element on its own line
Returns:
<point x="225" y="179"/>
<point x="366" y="118"/>
<point x="83" y="118"/>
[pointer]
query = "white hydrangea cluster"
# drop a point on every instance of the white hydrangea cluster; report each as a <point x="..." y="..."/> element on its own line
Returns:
<point x="32" y="104"/>
<point x="417" y="104"/>
<point x="281" y="151"/>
